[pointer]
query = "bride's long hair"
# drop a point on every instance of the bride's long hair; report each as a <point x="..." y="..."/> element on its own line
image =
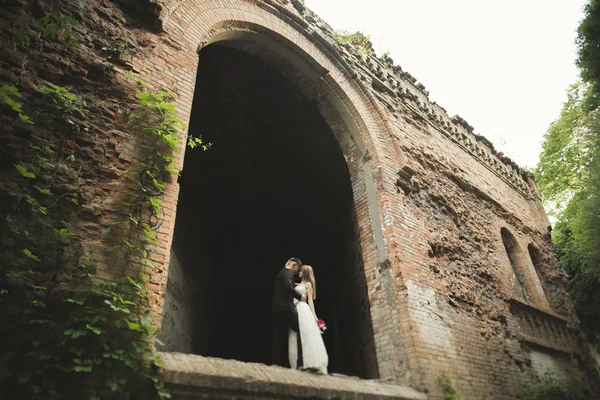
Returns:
<point x="308" y="275"/>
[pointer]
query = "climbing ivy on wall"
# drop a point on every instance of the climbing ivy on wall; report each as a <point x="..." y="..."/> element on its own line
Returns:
<point x="71" y="332"/>
<point x="67" y="333"/>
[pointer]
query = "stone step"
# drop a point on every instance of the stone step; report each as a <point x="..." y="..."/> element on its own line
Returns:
<point x="192" y="377"/>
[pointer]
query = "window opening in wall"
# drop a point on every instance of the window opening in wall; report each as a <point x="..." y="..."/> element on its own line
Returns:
<point x="515" y="257"/>
<point x="274" y="185"/>
<point x="535" y="260"/>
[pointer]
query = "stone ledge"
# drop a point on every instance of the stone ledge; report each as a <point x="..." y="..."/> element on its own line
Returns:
<point x="190" y="377"/>
<point x="513" y="301"/>
<point x="522" y="337"/>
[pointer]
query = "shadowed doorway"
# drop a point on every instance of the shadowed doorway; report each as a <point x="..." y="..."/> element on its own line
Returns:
<point x="274" y="185"/>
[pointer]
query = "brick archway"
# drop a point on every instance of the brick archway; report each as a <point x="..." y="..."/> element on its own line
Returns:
<point x="354" y="120"/>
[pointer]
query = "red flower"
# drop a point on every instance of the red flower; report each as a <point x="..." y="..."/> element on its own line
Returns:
<point x="321" y="325"/>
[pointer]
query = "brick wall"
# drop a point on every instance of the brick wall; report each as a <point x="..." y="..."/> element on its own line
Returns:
<point x="430" y="197"/>
<point x="178" y="322"/>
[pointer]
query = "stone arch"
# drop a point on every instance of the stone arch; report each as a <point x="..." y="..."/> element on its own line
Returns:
<point x="527" y="281"/>
<point x="313" y="80"/>
<point x="341" y="100"/>
<point x="226" y="19"/>
<point x="215" y="20"/>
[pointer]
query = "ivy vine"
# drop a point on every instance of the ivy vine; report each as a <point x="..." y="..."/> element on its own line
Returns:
<point x="68" y="333"/>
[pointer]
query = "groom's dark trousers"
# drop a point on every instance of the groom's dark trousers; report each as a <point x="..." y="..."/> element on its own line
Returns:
<point x="285" y="317"/>
<point x="283" y="321"/>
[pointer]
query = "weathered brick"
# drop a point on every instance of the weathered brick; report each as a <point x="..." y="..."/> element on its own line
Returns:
<point x="431" y="199"/>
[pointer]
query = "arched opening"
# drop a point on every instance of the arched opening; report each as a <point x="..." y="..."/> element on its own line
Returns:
<point x="535" y="260"/>
<point x="275" y="184"/>
<point x="515" y="258"/>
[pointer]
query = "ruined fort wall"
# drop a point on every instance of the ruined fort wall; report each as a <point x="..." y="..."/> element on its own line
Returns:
<point x="453" y="264"/>
<point x="455" y="194"/>
<point x="431" y="197"/>
<point x="454" y="197"/>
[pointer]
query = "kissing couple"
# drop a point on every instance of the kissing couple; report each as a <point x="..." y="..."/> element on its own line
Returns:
<point x="295" y="320"/>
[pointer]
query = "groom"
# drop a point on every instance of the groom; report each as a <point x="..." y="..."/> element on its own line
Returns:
<point x="284" y="312"/>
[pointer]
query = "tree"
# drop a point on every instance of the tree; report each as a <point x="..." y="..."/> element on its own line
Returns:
<point x="563" y="167"/>
<point x="568" y="176"/>
<point x="588" y="43"/>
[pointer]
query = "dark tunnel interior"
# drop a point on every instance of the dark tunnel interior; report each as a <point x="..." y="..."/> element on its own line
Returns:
<point x="273" y="185"/>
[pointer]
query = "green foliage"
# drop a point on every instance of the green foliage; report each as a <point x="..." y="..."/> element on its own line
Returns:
<point x="359" y="40"/>
<point x="116" y="52"/>
<point x="568" y="177"/>
<point x="551" y="388"/>
<point x="69" y="334"/>
<point x="64" y="106"/>
<point x="54" y="26"/>
<point x="588" y="43"/>
<point x="79" y="337"/>
<point x="449" y="389"/>
<point x="20" y="36"/>
<point x="577" y="239"/>
<point x="157" y="120"/>
<point x="34" y="236"/>
<point x="564" y="161"/>
<point x="9" y="96"/>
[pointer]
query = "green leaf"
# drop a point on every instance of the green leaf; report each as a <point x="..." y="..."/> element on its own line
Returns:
<point x="154" y="202"/>
<point x="29" y="254"/>
<point x="24" y="171"/>
<point x="48" y="150"/>
<point x="171" y="169"/>
<point x="44" y="191"/>
<point x="94" y="329"/>
<point x="78" y="333"/>
<point x="133" y="326"/>
<point x="64" y="232"/>
<point x="25" y="119"/>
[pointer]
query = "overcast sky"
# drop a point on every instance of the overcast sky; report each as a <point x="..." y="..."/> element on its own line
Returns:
<point x="502" y="66"/>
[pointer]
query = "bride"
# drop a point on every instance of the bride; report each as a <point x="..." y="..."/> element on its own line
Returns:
<point x="314" y="354"/>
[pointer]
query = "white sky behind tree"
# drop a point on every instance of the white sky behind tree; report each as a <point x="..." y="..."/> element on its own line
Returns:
<point x="502" y="66"/>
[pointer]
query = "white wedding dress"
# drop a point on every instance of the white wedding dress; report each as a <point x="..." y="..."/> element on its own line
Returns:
<point x="314" y="354"/>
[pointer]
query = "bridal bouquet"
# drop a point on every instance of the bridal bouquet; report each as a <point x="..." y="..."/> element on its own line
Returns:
<point x="322" y="326"/>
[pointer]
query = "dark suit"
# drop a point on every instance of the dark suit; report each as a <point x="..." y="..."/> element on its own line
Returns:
<point x="285" y="316"/>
